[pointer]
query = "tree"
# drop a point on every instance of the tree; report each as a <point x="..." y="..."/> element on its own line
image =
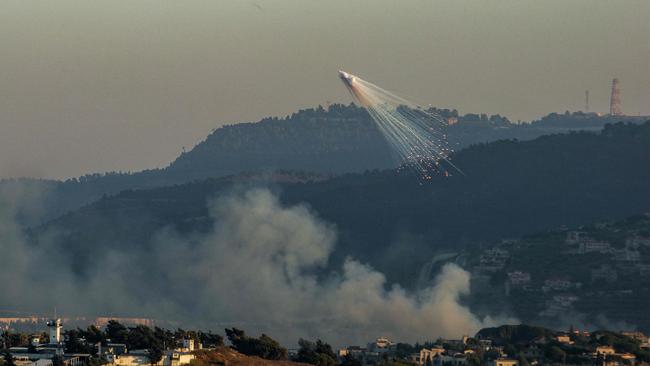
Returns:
<point x="141" y="337"/>
<point x="155" y="354"/>
<point x="510" y="350"/>
<point x="165" y="337"/>
<point x="93" y="334"/>
<point x="10" y="339"/>
<point x="555" y="353"/>
<point x="210" y="340"/>
<point x="116" y="332"/>
<point x="74" y="342"/>
<point x="522" y="360"/>
<point x="350" y="361"/>
<point x="319" y="353"/>
<point x="264" y="346"/>
<point x="8" y="359"/>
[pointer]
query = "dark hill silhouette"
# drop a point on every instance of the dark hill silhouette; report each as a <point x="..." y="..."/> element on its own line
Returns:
<point x="341" y="139"/>
<point x="388" y="219"/>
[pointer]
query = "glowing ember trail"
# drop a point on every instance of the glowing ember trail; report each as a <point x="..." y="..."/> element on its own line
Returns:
<point x="417" y="135"/>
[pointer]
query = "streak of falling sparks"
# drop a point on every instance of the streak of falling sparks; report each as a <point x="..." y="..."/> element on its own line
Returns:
<point x="417" y="135"/>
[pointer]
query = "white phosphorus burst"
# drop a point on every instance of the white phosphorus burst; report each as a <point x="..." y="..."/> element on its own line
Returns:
<point x="417" y="135"/>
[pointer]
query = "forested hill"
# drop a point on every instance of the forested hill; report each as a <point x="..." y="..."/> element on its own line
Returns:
<point x="339" y="140"/>
<point x="343" y="139"/>
<point x="336" y="140"/>
<point x="389" y="219"/>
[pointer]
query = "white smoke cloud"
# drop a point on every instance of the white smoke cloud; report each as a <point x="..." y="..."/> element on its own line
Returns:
<point x="261" y="268"/>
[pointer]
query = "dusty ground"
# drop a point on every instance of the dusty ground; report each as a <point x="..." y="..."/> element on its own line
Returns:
<point x="229" y="357"/>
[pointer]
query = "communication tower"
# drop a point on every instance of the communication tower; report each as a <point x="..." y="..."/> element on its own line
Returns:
<point x="615" y="99"/>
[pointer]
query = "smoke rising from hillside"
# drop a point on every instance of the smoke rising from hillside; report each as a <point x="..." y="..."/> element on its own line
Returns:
<point x="261" y="268"/>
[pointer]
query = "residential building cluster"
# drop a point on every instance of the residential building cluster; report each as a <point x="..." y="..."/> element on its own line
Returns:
<point x="544" y="277"/>
<point x="484" y="350"/>
<point x="44" y="352"/>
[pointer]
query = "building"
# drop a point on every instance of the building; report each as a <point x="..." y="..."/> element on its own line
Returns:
<point x="117" y="349"/>
<point x="636" y="242"/>
<point x="627" y="255"/>
<point x="426" y="355"/>
<point x="518" y="278"/>
<point x="559" y="284"/>
<point x="188" y="345"/>
<point x="605" y="350"/>
<point x="127" y="360"/>
<point x="55" y="327"/>
<point x="604" y="273"/>
<point x="172" y="358"/>
<point x="352" y="351"/>
<point x="493" y="259"/>
<point x="445" y="360"/>
<point x="574" y="237"/>
<point x="503" y="362"/>
<point x="381" y="345"/>
<point x="593" y="246"/>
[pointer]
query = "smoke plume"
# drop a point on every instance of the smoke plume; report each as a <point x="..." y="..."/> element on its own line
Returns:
<point x="263" y="268"/>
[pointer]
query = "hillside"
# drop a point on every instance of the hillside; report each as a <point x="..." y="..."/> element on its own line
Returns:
<point x="388" y="219"/>
<point x="222" y="356"/>
<point x="596" y="275"/>
<point x="341" y="139"/>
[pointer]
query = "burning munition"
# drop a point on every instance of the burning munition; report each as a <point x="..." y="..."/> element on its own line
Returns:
<point x="417" y="135"/>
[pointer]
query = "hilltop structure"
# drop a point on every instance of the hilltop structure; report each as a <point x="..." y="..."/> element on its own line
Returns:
<point x="615" y="99"/>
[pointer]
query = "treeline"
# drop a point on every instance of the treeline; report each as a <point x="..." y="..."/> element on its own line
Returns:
<point x="155" y="340"/>
<point x="512" y="341"/>
<point x="314" y="353"/>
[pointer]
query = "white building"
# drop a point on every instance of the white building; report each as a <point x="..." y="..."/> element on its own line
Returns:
<point x="518" y="278"/>
<point x="381" y="345"/>
<point x="142" y="359"/>
<point x="426" y="355"/>
<point x="55" y="326"/>
<point x="455" y="360"/>
<point x="188" y="345"/>
<point x="594" y="246"/>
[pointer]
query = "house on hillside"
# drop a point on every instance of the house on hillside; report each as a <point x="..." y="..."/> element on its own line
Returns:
<point x="604" y="273"/>
<point x="458" y="359"/>
<point x="574" y="237"/>
<point x="559" y="284"/>
<point x="503" y="362"/>
<point x="605" y="350"/>
<point x="563" y="338"/>
<point x="594" y="246"/>
<point x="426" y="355"/>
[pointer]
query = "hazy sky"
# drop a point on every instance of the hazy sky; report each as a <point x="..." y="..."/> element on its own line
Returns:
<point x="88" y="86"/>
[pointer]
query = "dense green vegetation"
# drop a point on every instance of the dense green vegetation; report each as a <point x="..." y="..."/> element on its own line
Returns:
<point x="511" y="188"/>
<point x="528" y="344"/>
<point x="341" y="139"/>
<point x="264" y="346"/>
<point x="316" y="353"/>
<point x="506" y="334"/>
<point x="601" y="287"/>
<point x="517" y="339"/>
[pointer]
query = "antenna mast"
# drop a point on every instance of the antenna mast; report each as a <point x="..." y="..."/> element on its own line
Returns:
<point x="615" y="100"/>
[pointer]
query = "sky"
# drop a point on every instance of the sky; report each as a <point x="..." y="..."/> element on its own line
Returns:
<point x="123" y="85"/>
